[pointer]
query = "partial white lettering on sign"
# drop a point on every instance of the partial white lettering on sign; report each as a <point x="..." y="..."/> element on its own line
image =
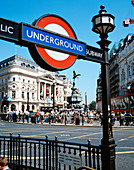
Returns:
<point x="93" y="53"/>
<point x="5" y="28"/>
<point x="68" y="159"/>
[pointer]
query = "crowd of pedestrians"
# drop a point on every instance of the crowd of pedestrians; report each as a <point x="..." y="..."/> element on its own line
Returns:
<point x="68" y="116"/>
<point x="124" y="118"/>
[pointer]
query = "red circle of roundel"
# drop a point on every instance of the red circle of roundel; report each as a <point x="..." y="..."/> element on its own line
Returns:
<point x="54" y="19"/>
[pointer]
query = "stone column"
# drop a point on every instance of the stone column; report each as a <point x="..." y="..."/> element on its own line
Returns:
<point x="44" y="91"/>
<point x="38" y="90"/>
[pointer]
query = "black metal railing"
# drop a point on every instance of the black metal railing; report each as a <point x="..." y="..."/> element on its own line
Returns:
<point x="31" y="153"/>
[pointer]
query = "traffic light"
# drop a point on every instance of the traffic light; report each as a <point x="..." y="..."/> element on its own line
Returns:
<point x="132" y="87"/>
<point x="5" y="102"/>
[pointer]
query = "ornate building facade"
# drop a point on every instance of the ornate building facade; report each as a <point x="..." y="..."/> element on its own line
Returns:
<point x="121" y="75"/>
<point x="126" y="63"/>
<point x="28" y="86"/>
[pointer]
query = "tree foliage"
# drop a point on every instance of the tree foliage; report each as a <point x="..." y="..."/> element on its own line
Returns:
<point x="92" y="105"/>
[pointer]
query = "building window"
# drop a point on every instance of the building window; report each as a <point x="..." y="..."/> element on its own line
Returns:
<point x="122" y="75"/>
<point x="32" y="67"/>
<point x="14" y="86"/>
<point x="22" y="64"/>
<point x="22" y="95"/>
<point x="23" y="80"/>
<point x="32" y="107"/>
<point x="13" y="78"/>
<point x="23" y="108"/>
<point x="2" y="95"/>
<point x="13" y="94"/>
<point x="128" y="71"/>
<point x="23" y="87"/>
<point x="28" y="65"/>
<point x="13" y="107"/>
<point x="32" y="95"/>
<point x="133" y="69"/>
<point x="47" y="89"/>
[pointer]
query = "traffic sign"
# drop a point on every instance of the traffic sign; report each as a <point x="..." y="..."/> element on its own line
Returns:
<point x="64" y="41"/>
<point x="93" y="54"/>
<point x="9" y="30"/>
<point x="51" y="41"/>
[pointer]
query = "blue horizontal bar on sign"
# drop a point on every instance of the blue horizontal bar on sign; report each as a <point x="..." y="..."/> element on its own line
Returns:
<point x="52" y="40"/>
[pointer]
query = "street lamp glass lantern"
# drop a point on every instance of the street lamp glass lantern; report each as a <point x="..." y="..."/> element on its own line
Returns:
<point x="129" y="87"/>
<point x="103" y="23"/>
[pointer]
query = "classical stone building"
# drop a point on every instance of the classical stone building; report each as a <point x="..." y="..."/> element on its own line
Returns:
<point x="27" y="86"/>
<point x="122" y="75"/>
<point x="126" y="63"/>
<point x="114" y="69"/>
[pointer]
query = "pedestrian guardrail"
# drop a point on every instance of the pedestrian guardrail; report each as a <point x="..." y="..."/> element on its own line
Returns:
<point x="31" y="153"/>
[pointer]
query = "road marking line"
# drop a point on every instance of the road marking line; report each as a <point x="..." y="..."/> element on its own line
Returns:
<point x="125" y="147"/>
<point x="126" y="138"/>
<point x="125" y="152"/>
<point x="81" y="136"/>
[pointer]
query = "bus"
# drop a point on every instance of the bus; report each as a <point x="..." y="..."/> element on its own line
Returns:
<point x="119" y="104"/>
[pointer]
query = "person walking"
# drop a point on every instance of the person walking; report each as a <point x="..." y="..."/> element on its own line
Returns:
<point x="91" y="116"/>
<point x="37" y="115"/>
<point x="19" y="115"/>
<point x="27" y="115"/>
<point x="127" y="118"/>
<point x="4" y="164"/>
<point x="121" y="119"/>
<point x="42" y="118"/>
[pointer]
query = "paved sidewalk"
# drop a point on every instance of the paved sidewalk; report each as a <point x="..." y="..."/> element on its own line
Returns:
<point x="94" y="124"/>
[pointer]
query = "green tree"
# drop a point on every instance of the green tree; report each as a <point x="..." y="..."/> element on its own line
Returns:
<point x="92" y="105"/>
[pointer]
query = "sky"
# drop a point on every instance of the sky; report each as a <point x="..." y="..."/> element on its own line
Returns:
<point x="79" y="14"/>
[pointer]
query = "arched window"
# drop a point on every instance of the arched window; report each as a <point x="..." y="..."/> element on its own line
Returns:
<point x="122" y="75"/>
<point x="132" y="68"/>
<point x="13" y="94"/>
<point x="128" y="71"/>
<point x="33" y="107"/>
<point x="13" y="107"/>
<point x="23" y="108"/>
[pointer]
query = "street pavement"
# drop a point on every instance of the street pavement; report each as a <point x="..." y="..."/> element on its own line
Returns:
<point x="123" y="136"/>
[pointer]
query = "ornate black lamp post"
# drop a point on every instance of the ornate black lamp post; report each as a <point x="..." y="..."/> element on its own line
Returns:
<point x="103" y="23"/>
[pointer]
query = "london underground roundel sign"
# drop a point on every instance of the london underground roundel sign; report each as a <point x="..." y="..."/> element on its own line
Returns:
<point x="47" y="58"/>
